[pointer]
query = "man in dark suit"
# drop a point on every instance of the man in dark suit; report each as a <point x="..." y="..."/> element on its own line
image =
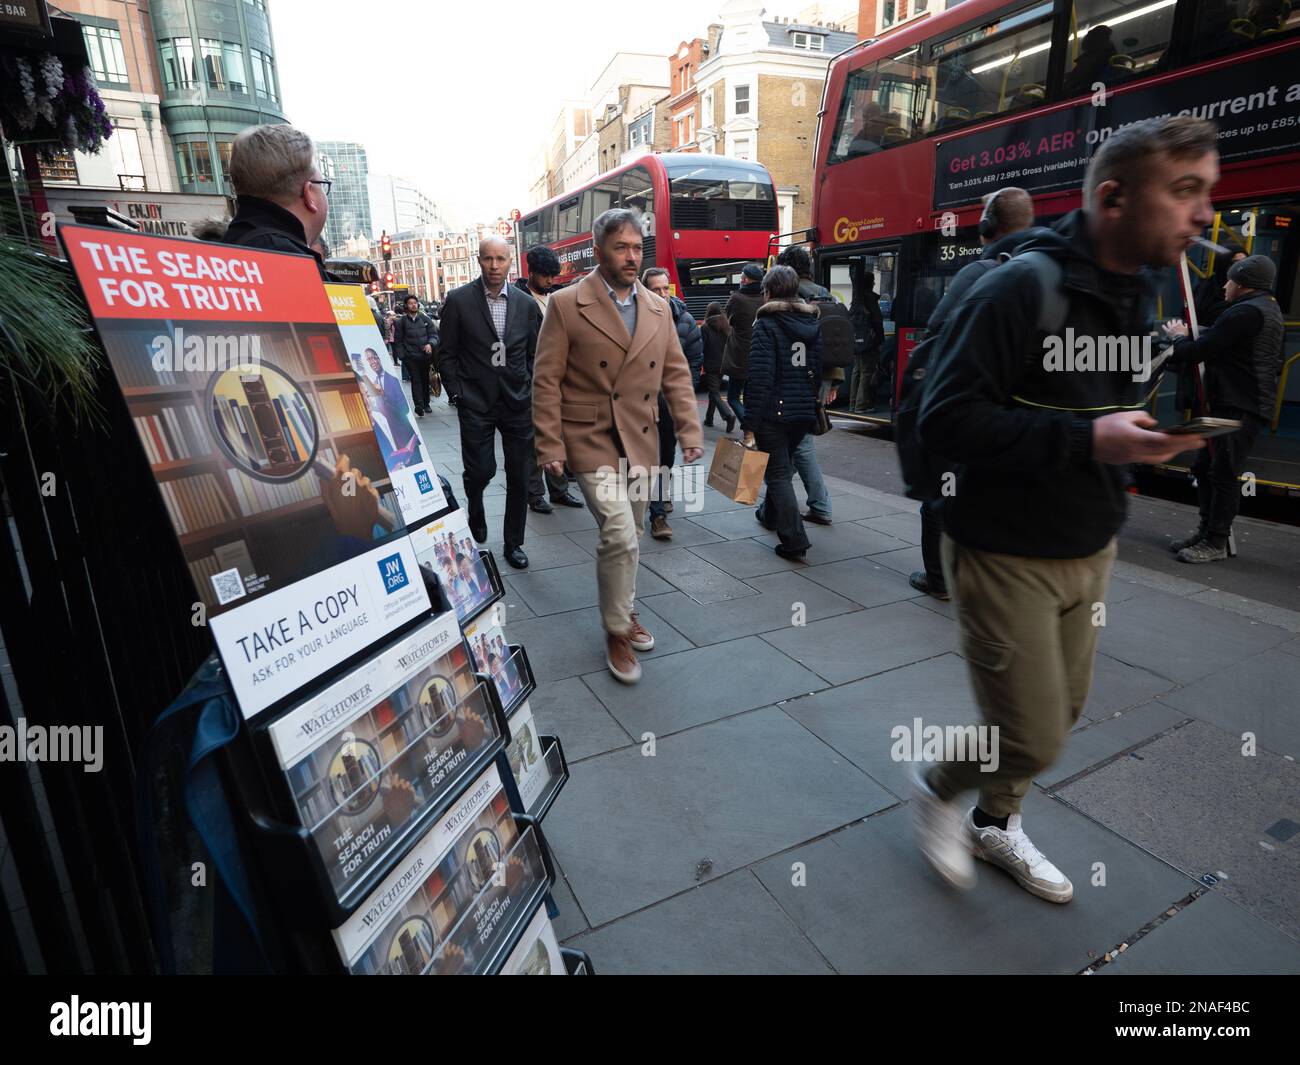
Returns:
<point x="489" y="335"/>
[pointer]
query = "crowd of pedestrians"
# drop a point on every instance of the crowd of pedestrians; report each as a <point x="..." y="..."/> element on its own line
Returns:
<point x="595" y="384"/>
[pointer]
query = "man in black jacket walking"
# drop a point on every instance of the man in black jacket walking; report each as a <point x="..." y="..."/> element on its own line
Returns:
<point x="1029" y="536"/>
<point x="692" y="341"/>
<point x="489" y="339"/>
<point x="1008" y="214"/>
<point x="283" y="199"/>
<point x="415" y="339"/>
<point x="1242" y="352"/>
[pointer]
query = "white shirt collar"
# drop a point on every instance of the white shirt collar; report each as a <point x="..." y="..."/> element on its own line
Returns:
<point x="610" y="289"/>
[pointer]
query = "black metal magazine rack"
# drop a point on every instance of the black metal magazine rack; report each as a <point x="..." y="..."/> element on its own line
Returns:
<point x="395" y="806"/>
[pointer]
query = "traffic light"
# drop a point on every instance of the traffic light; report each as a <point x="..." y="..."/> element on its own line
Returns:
<point x="388" y="281"/>
<point x="374" y="286"/>
<point x="386" y="246"/>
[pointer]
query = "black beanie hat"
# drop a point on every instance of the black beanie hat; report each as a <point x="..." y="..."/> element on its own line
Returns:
<point x="1254" y="272"/>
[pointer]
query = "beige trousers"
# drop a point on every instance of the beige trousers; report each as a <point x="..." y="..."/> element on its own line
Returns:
<point x="618" y="504"/>
<point x="1029" y="631"/>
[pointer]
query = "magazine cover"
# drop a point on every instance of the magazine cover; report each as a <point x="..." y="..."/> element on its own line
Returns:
<point x="487" y="642"/>
<point x="445" y="907"/>
<point x="415" y="482"/>
<point x="367" y="755"/>
<point x="229" y="359"/>
<point x="538" y="953"/>
<point x="446" y="547"/>
<point x="527" y="763"/>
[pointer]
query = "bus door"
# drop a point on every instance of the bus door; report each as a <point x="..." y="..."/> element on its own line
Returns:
<point x="869" y="385"/>
<point x="1271" y="229"/>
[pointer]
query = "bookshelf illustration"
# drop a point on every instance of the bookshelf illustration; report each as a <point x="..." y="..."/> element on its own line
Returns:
<point x="178" y="415"/>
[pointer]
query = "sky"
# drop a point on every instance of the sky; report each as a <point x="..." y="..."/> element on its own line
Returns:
<point x="454" y="96"/>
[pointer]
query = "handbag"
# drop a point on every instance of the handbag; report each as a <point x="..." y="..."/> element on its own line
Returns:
<point x="823" y="424"/>
<point x="435" y="385"/>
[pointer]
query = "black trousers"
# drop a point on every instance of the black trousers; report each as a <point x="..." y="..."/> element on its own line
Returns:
<point x="781" y="508"/>
<point x="477" y="444"/>
<point x="540" y="482"/>
<point x="1217" y="468"/>
<point x="713" y="383"/>
<point x="419" y="371"/>
<point x="931" y="538"/>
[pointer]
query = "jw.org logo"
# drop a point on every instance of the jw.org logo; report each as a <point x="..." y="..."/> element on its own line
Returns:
<point x="394" y="573"/>
<point x="423" y="482"/>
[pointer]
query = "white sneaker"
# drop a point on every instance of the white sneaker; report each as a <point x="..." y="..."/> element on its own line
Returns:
<point x="1013" y="851"/>
<point x="938" y="830"/>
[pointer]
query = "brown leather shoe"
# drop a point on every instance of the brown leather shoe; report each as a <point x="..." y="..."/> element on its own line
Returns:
<point x="621" y="659"/>
<point x="660" y="529"/>
<point x="638" y="637"/>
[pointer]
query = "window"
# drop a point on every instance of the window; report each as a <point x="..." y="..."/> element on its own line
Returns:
<point x="1256" y="22"/>
<point x="178" y="63"/>
<point x="1110" y="43"/>
<point x="888" y="13"/>
<point x="884" y="104"/>
<point x="637" y="191"/>
<point x="194" y="163"/>
<point x="232" y="59"/>
<point x="706" y="109"/>
<point x="548" y="226"/>
<point x="602" y="197"/>
<point x="570" y="212"/>
<point x="742" y="99"/>
<point x="124" y="147"/>
<point x="264" y="75"/>
<point x="259" y="4"/>
<point x="994" y="70"/>
<point x="61" y="166"/>
<point x="811" y="42"/>
<point x="641" y="130"/>
<point x="741" y="147"/>
<point x="104" y="47"/>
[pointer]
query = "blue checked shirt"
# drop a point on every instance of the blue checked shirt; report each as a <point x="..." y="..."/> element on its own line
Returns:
<point x="497" y="305"/>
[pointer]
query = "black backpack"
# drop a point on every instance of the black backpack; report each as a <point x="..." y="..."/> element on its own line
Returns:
<point x="836" y="327"/>
<point x="922" y="469"/>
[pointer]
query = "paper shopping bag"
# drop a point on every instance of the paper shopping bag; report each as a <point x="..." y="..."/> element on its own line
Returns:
<point x="737" y="472"/>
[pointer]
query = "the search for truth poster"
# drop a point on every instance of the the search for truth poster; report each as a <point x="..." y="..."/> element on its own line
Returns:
<point x="251" y="417"/>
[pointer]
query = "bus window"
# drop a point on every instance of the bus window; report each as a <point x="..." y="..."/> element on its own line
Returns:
<point x="603" y="197"/>
<point x="570" y="222"/>
<point x="532" y="232"/>
<point x="997" y="69"/>
<point x="638" y="193"/>
<point x="1220" y="26"/>
<point x="1110" y="43"/>
<point x="884" y="104"/>
<point x="548" y="225"/>
<point x="708" y="194"/>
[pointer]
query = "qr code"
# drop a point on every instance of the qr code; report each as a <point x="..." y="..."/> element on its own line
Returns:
<point x="229" y="586"/>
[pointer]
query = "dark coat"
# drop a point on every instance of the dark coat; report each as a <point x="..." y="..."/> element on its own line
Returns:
<point x="469" y="339"/>
<point x="740" y="310"/>
<point x="1242" y="352"/>
<point x="260" y="223"/>
<point x="688" y="335"/>
<point x="1028" y="484"/>
<point x="715" y="346"/>
<point x="778" y="388"/>
<point x="411" y="334"/>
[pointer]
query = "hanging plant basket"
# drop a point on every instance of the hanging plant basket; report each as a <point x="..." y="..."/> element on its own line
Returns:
<point x="45" y="103"/>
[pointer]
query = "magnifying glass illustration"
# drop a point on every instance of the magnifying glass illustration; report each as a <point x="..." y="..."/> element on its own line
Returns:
<point x="262" y="422"/>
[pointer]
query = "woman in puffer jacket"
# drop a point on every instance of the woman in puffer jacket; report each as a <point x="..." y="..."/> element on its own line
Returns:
<point x="781" y="398"/>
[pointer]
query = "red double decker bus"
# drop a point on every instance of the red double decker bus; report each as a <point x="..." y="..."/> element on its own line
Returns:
<point x="705" y="216"/>
<point x="916" y="127"/>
